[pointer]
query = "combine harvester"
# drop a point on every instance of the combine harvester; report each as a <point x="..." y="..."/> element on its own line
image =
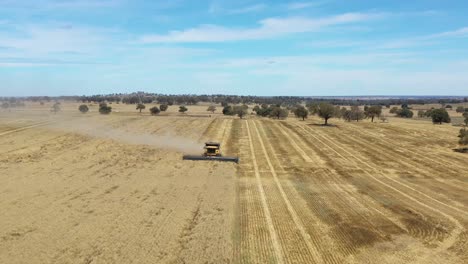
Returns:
<point x="212" y="152"/>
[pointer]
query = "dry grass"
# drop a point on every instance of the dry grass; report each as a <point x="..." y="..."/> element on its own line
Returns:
<point x="352" y="193"/>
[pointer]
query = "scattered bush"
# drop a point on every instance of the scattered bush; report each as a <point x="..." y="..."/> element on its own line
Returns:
<point x="183" y="109"/>
<point x="154" y="110"/>
<point x="56" y="107"/>
<point x="394" y="110"/>
<point x="211" y="109"/>
<point x="460" y="109"/>
<point x="163" y="107"/>
<point x="104" y="109"/>
<point x="463" y="137"/>
<point x="83" y="108"/>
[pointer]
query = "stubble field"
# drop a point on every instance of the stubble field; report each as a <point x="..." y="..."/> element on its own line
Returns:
<point x="113" y="189"/>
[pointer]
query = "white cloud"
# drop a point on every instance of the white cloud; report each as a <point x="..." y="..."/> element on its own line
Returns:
<point x="461" y="32"/>
<point x="269" y="28"/>
<point x="302" y="5"/>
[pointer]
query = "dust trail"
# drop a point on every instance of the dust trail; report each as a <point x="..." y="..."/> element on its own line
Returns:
<point x="105" y="131"/>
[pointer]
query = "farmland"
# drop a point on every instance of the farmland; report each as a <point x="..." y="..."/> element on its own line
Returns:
<point x="354" y="192"/>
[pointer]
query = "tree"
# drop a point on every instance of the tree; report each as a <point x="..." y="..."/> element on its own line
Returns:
<point x="228" y="110"/>
<point x="463" y="136"/>
<point x="465" y="115"/>
<point x="313" y="107"/>
<point x="440" y="116"/>
<point x="394" y="110"/>
<point x="460" y="109"/>
<point x="163" y="107"/>
<point x="356" y="113"/>
<point x="56" y="108"/>
<point x="183" y="109"/>
<point x="83" y="108"/>
<point x="140" y="107"/>
<point x="373" y="111"/>
<point x="278" y="112"/>
<point x="211" y="109"/>
<point x="325" y="111"/>
<point x="154" y="110"/>
<point x="405" y="113"/>
<point x="256" y="109"/>
<point x="301" y="112"/>
<point x="240" y="111"/>
<point x="449" y="107"/>
<point x="104" y="109"/>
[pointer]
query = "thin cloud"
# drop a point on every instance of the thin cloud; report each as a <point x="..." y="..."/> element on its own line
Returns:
<point x="461" y="32"/>
<point x="248" y="9"/>
<point x="269" y="28"/>
<point x="303" y="5"/>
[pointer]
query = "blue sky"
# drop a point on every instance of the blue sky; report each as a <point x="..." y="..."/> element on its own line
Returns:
<point x="323" y="47"/>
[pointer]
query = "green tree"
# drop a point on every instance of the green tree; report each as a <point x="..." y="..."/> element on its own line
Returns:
<point x="278" y="112"/>
<point x="163" y="107"/>
<point x="325" y="111"/>
<point x="182" y="109"/>
<point x="211" y="109"/>
<point x="373" y="111"/>
<point x="228" y="110"/>
<point x="440" y="116"/>
<point x="405" y="113"/>
<point x="240" y="111"/>
<point x="154" y="110"/>
<point x="83" y="108"/>
<point x="301" y="112"/>
<point x="104" y="109"/>
<point x="460" y="109"/>
<point x="140" y="107"/>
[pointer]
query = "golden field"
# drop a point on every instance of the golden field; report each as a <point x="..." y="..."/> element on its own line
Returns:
<point x="91" y="188"/>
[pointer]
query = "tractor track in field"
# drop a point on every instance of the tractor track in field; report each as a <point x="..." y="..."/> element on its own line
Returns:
<point x="359" y="215"/>
<point x="400" y="188"/>
<point x="313" y="253"/>
<point x="413" y="161"/>
<point x="277" y="249"/>
<point x="25" y="127"/>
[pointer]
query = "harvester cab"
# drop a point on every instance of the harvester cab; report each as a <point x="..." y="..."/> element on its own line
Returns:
<point x="212" y="149"/>
<point x="212" y="152"/>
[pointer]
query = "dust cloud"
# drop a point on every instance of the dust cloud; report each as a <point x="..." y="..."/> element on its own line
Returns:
<point x="166" y="140"/>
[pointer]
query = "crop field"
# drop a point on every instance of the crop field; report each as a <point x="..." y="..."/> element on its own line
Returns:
<point x="90" y="188"/>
